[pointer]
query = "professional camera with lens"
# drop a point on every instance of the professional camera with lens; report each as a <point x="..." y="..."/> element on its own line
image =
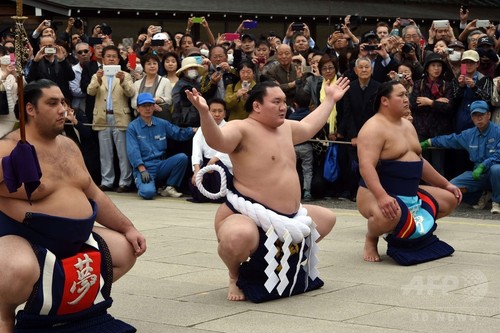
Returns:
<point x="407" y="47"/>
<point x="78" y="24"/>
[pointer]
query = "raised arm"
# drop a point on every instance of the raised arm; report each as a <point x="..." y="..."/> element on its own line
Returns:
<point x="224" y="140"/>
<point x="310" y="125"/>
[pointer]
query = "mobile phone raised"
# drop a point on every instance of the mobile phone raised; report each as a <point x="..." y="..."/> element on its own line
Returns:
<point x="370" y="47"/>
<point x="111" y="70"/>
<point x="441" y="24"/>
<point x="297" y="26"/>
<point x="50" y="50"/>
<point x="483" y="23"/>
<point x="230" y="36"/>
<point x="250" y="24"/>
<point x="197" y="20"/>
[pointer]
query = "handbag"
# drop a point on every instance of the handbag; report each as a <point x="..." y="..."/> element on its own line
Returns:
<point x="331" y="168"/>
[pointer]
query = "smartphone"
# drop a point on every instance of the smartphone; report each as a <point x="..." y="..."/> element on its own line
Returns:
<point x="441" y="24"/>
<point x="464" y="9"/>
<point x="197" y="20"/>
<point x="47" y="23"/>
<point x="111" y="70"/>
<point x="463" y="69"/>
<point x="132" y="60"/>
<point x="372" y="47"/>
<point x="306" y="69"/>
<point x="261" y="60"/>
<point x="12" y="58"/>
<point x="50" y="50"/>
<point x="157" y="42"/>
<point x="297" y="26"/>
<point x="404" y="22"/>
<point x="95" y="41"/>
<point x="199" y="59"/>
<point x="250" y="24"/>
<point x="483" y="23"/>
<point x="230" y="36"/>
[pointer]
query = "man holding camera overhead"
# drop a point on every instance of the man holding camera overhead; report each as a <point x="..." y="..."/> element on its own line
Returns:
<point x="376" y="51"/>
<point x="50" y="63"/>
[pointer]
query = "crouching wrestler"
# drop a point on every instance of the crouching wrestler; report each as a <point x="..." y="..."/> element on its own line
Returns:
<point x="390" y="197"/>
<point x="52" y="257"/>
<point x="263" y="205"/>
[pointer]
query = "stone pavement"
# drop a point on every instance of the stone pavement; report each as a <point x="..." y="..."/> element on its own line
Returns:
<point x="180" y="284"/>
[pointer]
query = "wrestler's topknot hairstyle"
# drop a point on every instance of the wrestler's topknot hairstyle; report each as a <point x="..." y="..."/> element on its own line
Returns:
<point x="384" y="90"/>
<point x="258" y="93"/>
<point x="33" y="91"/>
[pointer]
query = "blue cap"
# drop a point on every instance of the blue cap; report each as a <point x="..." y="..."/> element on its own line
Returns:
<point x="145" y="98"/>
<point x="479" y="106"/>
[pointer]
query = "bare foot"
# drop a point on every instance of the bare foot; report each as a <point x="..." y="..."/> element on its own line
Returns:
<point x="370" y="250"/>
<point x="234" y="293"/>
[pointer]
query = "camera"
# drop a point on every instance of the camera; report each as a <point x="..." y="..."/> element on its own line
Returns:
<point x="404" y="22"/>
<point x="218" y="69"/>
<point x="272" y="34"/>
<point x="78" y="24"/>
<point x="337" y="27"/>
<point x="297" y="26"/>
<point x="370" y="47"/>
<point x="261" y="60"/>
<point x="47" y="23"/>
<point x="399" y="77"/>
<point x="407" y="47"/>
<point x="245" y="85"/>
<point x="449" y="50"/>
<point x="106" y="29"/>
<point x="50" y="50"/>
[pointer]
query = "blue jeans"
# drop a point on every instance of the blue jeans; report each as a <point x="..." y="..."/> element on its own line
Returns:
<point x="169" y="172"/>
<point x="490" y="181"/>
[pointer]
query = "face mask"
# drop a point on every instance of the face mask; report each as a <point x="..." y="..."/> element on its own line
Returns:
<point x="455" y="56"/>
<point x="204" y="52"/>
<point x="138" y="68"/>
<point x="192" y="73"/>
<point x="230" y="58"/>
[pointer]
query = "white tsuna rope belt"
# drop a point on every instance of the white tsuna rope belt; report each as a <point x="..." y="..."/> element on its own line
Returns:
<point x="299" y="229"/>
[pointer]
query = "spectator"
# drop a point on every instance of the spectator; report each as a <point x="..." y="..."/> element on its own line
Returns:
<point x="204" y="25"/>
<point x="185" y="44"/>
<point x="285" y="72"/>
<point x="495" y="101"/>
<point x="303" y="151"/>
<point x="171" y="64"/>
<point x="358" y="108"/>
<point x="89" y="69"/>
<point x="482" y="143"/>
<point x="455" y="57"/>
<point x="244" y="49"/>
<point x="83" y="54"/>
<point x="472" y="86"/>
<point x="156" y="85"/>
<point x="382" y="30"/>
<point x="237" y="93"/>
<point x="381" y="61"/>
<point x="488" y="58"/>
<point x="111" y="117"/>
<point x="51" y="65"/>
<point x="300" y="44"/>
<point x="8" y="88"/>
<point x="405" y="76"/>
<point x="219" y="75"/>
<point x="431" y="105"/>
<point x="204" y="155"/>
<point x="147" y="146"/>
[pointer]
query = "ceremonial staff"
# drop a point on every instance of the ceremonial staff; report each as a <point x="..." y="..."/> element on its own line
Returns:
<point x="21" y="166"/>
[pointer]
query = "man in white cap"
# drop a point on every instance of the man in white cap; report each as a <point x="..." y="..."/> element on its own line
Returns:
<point x="482" y="142"/>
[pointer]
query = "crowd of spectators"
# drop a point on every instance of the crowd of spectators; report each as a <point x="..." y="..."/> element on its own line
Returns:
<point x="444" y="70"/>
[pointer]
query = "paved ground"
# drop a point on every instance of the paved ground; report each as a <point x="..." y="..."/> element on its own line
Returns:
<point x="179" y="285"/>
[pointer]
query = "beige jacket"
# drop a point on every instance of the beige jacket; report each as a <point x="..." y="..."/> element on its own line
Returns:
<point x="120" y="94"/>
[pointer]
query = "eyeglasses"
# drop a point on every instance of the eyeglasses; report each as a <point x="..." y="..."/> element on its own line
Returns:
<point x="82" y="51"/>
<point x="328" y="69"/>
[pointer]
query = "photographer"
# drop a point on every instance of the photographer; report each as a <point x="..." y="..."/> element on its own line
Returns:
<point x="50" y="63"/>
<point x="381" y="61"/>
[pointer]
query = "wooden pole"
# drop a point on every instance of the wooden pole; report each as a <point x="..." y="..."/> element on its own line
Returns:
<point x="20" y="46"/>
